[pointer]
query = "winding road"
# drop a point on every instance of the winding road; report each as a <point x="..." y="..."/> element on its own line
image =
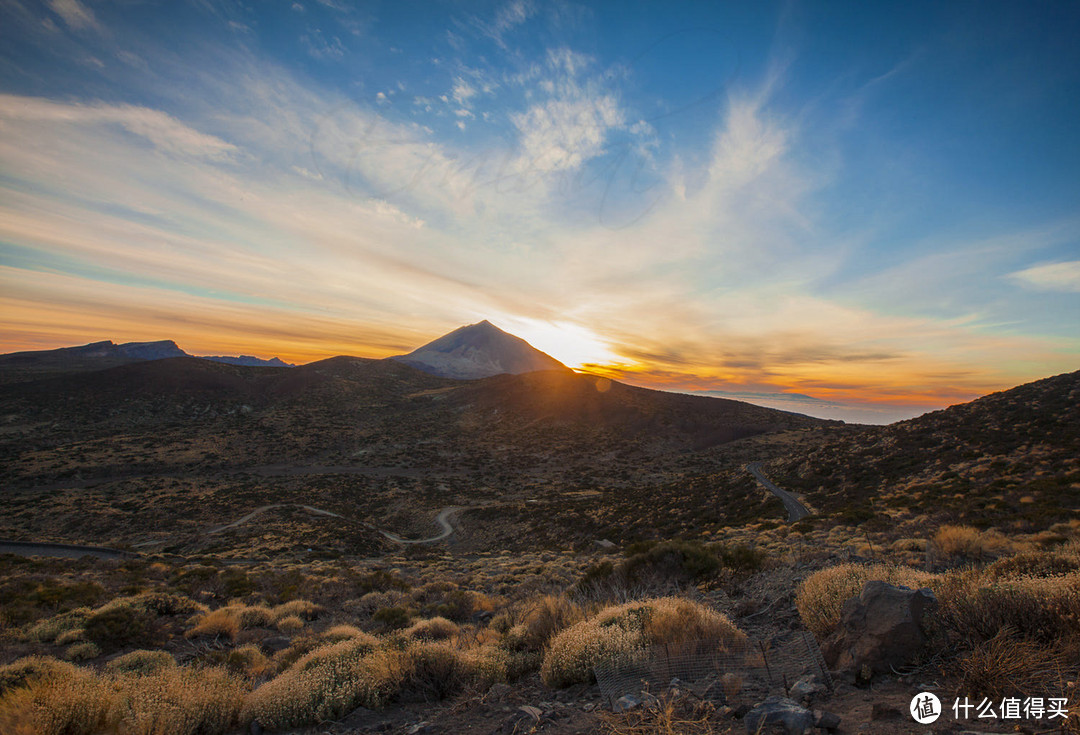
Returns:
<point x="796" y="510"/>
<point x="443" y="519"/>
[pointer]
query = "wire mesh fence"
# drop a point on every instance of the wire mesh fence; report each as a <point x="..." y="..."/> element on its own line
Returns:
<point x="749" y="669"/>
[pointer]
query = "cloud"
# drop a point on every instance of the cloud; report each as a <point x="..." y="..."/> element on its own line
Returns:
<point x="1064" y="276"/>
<point x="163" y="131"/>
<point x="76" y="15"/>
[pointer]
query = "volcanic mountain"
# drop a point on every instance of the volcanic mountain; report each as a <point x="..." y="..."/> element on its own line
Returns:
<point x="479" y="351"/>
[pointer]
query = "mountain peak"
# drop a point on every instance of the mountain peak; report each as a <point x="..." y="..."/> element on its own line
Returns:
<point x="479" y="351"/>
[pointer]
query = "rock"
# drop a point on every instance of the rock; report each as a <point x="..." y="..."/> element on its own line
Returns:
<point x="779" y="714"/>
<point x="649" y="701"/>
<point x="274" y="644"/>
<point x="498" y="692"/>
<point x="625" y="703"/>
<point x="419" y="729"/>
<point x="826" y="720"/>
<point x="604" y="543"/>
<point x="359" y="717"/>
<point x="879" y="629"/>
<point x="256" y="728"/>
<point x="525" y="719"/>
<point x="805" y="687"/>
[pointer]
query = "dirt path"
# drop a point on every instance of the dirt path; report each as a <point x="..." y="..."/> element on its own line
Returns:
<point x="796" y="510"/>
<point x="67" y="551"/>
<point x="263" y="508"/>
<point x="443" y="519"/>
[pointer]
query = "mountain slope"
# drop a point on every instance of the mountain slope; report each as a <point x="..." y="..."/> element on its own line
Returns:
<point x="1011" y="457"/>
<point x="479" y="351"/>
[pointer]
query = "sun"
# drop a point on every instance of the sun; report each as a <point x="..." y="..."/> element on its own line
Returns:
<point x="571" y="344"/>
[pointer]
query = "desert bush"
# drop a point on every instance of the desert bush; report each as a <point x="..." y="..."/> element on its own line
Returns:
<point x="965" y="542"/>
<point x="822" y="595"/>
<point x="220" y="622"/>
<point x="68" y="701"/>
<point x="290" y="624"/>
<point x="29" y="669"/>
<point x="248" y="661"/>
<point x="392" y="617"/>
<point x="178" y="701"/>
<point x="343" y="633"/>
<point x="432" y="629"/>
<point x="252" y="616"/>
<point x="141" y="662"/>
<point x="1007" y="665"/>
<point x="434" y="670"/>
<point x="1033" y="564"/>
<point x="71" y="636"/>
<point x="326" y="684"/>
<point x="544" y="618"/>
<point x="298" y="608"/>
<point x="82" y="651"/>
<point x="116" y="626"/>
<point x="624" y="628"/>
<point x="48" y="630"/>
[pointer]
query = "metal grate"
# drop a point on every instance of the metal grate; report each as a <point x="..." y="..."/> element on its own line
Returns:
<point x="750" y="669"/>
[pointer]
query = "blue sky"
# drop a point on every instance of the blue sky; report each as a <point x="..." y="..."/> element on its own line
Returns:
<point x="876" y="205"/>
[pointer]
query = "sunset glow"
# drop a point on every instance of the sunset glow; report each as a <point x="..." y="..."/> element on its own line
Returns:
<point x="868" y="213"/>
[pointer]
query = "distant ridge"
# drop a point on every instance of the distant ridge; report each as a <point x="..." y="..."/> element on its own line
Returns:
<point x="19" y="366"/>
<point x="479" y="351"/>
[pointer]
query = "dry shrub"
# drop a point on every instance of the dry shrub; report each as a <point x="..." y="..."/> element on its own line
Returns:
<point x="248" y="661"/>
<point x="682" y="716"/>
<point x="342" y="633"/>
<point x="326" y="684"/>
<point x="1007" y="665"/>
<point x="1045" y="610"/>
<point x="178" y="701"/>
<point x="252" y="616"/>
<point x="965" y="542"/>
<point x="546" y="617"/>
<point x="46" y="631"/>
<point x="435" y="670"/>
<point x="628" y="627"/>
<point x="433" y="629"/>
<point x="821" y="596"/>
<point x="1034" y="564"/>
<point x="29" y="669"/>
<point x="299" y="608"/>
<point x="220" y="622"/>
<point x="75" y="635"/>
<point x="141" y="662"/>
<point x="290" y="624"/>
<point x="67" y="701"/>
<point x="82" y="652"/>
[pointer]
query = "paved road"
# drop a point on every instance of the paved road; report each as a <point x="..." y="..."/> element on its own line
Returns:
<point x="264" y="508"/>
<point x="443" y="519"/>
<point x="796" y="510"/>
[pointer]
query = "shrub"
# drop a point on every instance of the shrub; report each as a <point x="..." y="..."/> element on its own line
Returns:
<point x="67" y="701"/>
<point x="392" y="617"/>
<point x="82" y="652"/>
<point x="49" y="629"/>
<point x="291" y="624"/>
<point x="141" y="663"/>
<point x="326" y="684"/>
<point x="433" y="629"/>
<point x="822" y="595"/>
<point x="434" y="670"/>
<point x="965" y="542"/>
<point x="1033" y="564"/>
<point x="299" y="608"/>
<point x="248" y="661"/>
<point x="216" y="623"/>
<point x="178" y="701"/>
<point x="71" y="636"/>
<point x="1006" y="665"/>
<point x="29" y="669"/>
<point x="545" y="617"/>
<point x="624" y="628"/>
<point x="115" y="626"/>
<point x="344" y="633"/>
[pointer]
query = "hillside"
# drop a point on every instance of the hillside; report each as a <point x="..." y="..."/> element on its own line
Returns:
<point x="479" y="351"/>
<point x="1008" y="459"/>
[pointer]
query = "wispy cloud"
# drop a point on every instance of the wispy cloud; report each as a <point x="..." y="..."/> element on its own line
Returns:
<point x="1064" y="276"/>
<point x="76" y="15"/>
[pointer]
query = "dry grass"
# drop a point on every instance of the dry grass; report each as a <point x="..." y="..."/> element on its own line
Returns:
<point x="671" y="717"/>
<point x="290" y="624"/>
<point x="29" y="669"/>
<point x="178" y="701"/>
<point x="217" y="623"/>
<point x="433" y="629"/>
<point x="299" y="608"/>
<point x="1007" y="665"/>
<point x="624" y="628"/>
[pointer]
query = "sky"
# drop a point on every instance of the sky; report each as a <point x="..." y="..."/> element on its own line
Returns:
<point x="856" y="210"/>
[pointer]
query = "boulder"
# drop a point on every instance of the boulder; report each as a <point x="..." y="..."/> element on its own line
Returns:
<point x="625" y="703"/>
<point x="779" y="715"/>
<point x="806" y="688"/>
<point x="880" y="629"/>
